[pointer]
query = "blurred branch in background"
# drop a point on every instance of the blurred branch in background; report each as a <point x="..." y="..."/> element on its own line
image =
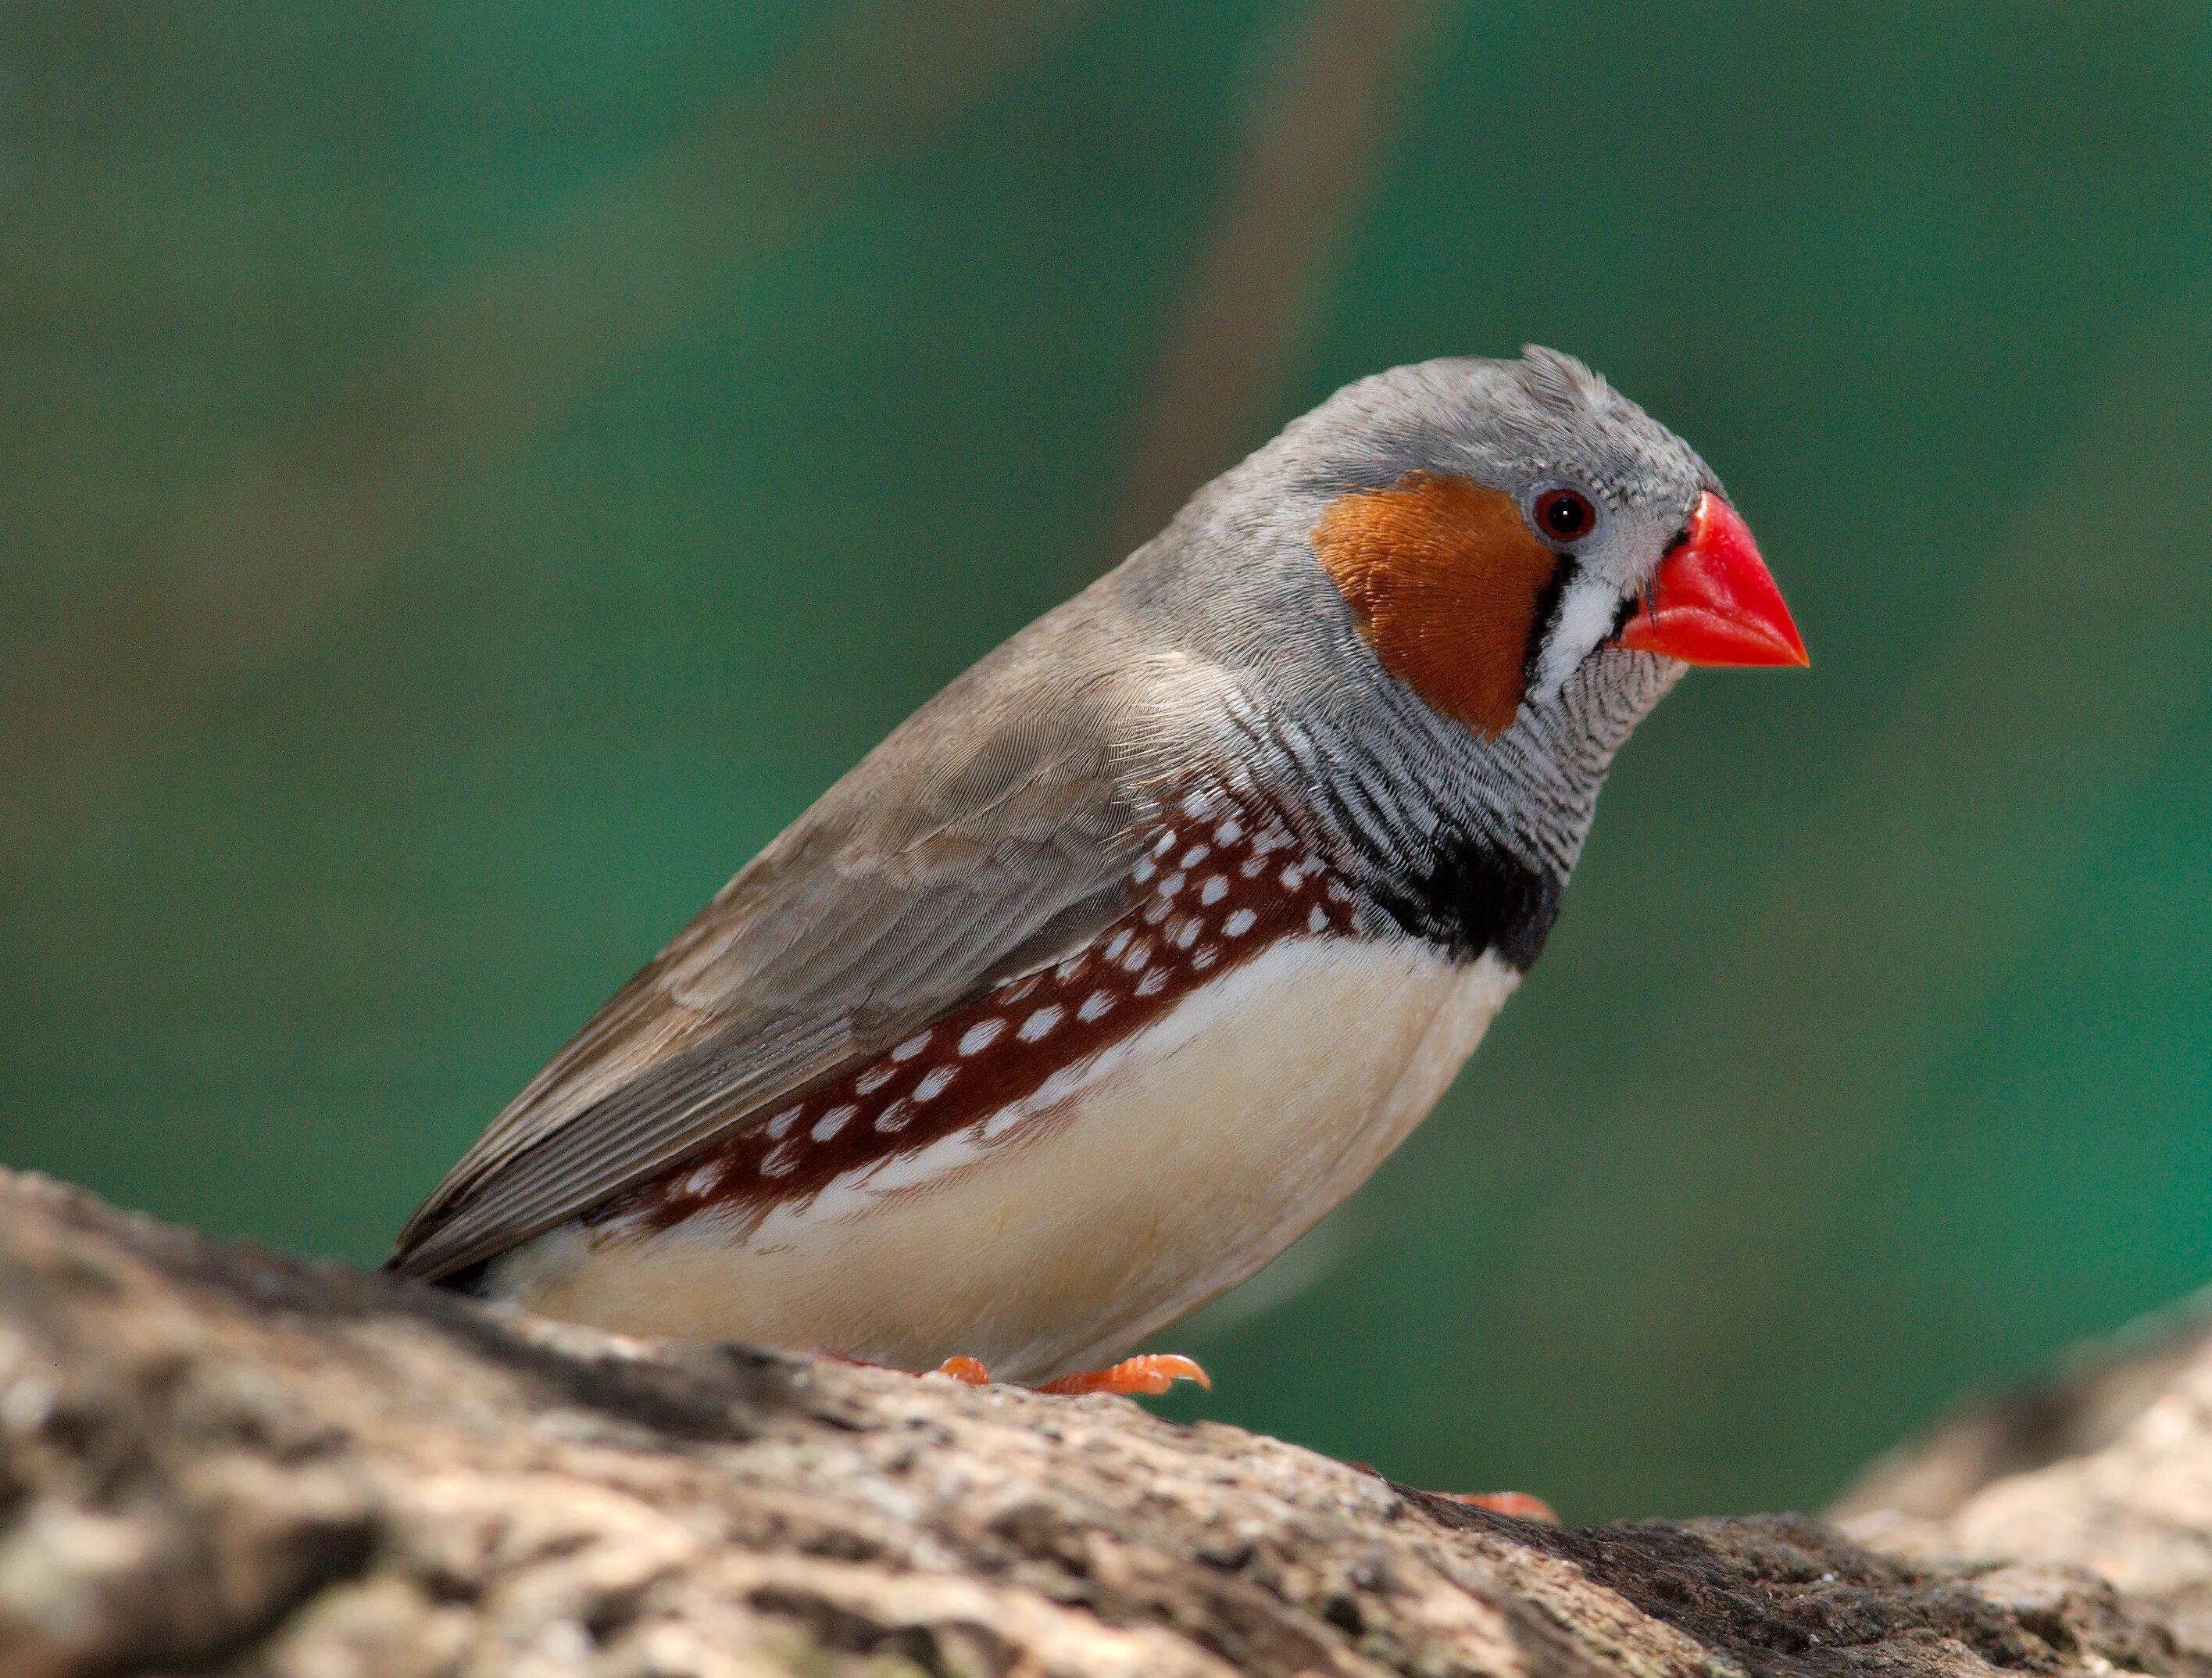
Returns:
<point x="1926" y="877"/>
<point x="302" y="525"/>
<point x="1304" y="167"/>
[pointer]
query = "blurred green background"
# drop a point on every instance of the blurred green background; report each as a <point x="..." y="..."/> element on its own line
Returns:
<point x="469" y="473"/>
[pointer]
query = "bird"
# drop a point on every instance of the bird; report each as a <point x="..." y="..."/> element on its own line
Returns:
<point x="1140" y="946"/>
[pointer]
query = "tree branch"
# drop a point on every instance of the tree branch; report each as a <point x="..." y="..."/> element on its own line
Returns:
<point x="218" y="1459"/>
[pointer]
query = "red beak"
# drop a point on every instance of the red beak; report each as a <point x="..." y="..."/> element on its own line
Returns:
<point x="1712" y="600"/>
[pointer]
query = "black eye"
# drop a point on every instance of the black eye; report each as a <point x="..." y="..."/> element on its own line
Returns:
<point x="1565" y="515"/>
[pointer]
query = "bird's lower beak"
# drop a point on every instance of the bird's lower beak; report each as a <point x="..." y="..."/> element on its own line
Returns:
<point x="1712" y="600"/>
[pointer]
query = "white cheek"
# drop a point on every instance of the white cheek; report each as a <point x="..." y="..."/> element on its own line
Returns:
<point x="1585" y="618"/>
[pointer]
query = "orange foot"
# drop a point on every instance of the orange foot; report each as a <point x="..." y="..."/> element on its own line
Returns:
<point x="1522" y="1504"/>
<point x="1153" y="1373"/>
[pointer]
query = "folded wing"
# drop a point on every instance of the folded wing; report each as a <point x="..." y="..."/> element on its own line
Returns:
<point x="989" y="833"/>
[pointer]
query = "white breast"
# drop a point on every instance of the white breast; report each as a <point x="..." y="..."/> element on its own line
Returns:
<point x="1056" y="1233"/>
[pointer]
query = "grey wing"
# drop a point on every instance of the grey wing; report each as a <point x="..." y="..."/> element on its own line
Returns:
<point x="954" y="854"/>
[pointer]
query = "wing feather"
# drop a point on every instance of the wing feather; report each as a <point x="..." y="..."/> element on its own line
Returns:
<point x="954" y="850"/>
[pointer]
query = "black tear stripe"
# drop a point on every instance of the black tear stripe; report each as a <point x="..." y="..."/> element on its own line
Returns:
<point x="1545" y="618"/>
<point x="1472" y="897"/>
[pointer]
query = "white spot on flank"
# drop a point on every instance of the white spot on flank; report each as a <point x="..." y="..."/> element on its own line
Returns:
<point x="1164" y="844"/>
<point x="1317" y="920"/>
<point x="781" y="1124"/>
<point x="1151" y="981"/>
<point x="1239" y="923"/>
<point x="1040" y="1023"/>
<point x="1069" y="968"/>
<point x="1252" y="866"/>
<point x="1292" y="879"/>
<point x="779" y="1159"/>
<point x="1139" y="953"/>
<point x="1198" y="805"/>
<point x="894" y="1116"/>
<point x="912" y="1046"/>
<point x="1117" y="944"/>
<point x="1145" y="870"/>
<point x="1215" y="888"/>
<point x="1171" y="884"/>
<point x="1186" y="933"/>
<point x="872" y="1079"/>
<point x="933" y="1085"/>
<point x="1363" y="986"/>
<point x="701" y="1180"/>
<point x="1094" y="1006"/>
<point x="980" y="1036"/>
<point x="831" y="1122"/>
<point x="1194" y="855"/>
<point x="1203" y="957"/>
<point x="1229" y="832"/>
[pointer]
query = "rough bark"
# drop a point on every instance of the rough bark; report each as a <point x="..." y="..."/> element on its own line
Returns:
<point x="217" y="1459"/>
<point x="2106" y="1467"/>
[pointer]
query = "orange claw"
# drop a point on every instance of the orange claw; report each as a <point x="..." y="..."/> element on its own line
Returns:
<point x="1153" y="1373"/>
<point x="1521" y="1504"/>
<point x="969" y="1369"/>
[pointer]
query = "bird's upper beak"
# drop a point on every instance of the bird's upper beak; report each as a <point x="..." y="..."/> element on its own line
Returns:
<point x="1712" y="600"/>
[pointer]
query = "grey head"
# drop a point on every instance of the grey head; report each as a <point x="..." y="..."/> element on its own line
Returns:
<point x="1421" y="586"/>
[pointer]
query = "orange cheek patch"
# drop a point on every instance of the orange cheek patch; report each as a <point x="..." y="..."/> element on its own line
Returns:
<point x="1444" y="577"/>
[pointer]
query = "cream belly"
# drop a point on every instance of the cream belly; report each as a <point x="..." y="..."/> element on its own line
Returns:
<point x="1059" y="1231"/>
